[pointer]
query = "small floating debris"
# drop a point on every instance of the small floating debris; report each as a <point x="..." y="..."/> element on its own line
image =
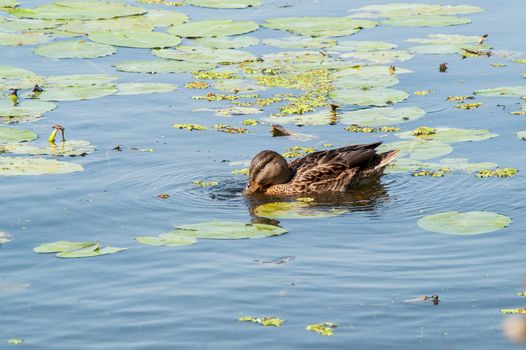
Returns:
<point x="164" y="196"/>
<point x="459" y="98"/>
<point x="423" y="92"/>
<point x="15" y="341"/>
<point x="229" y="129"/>
<point x="513" y="311"/>
<point x="433" y="298"/>
<point x="442" y="68"/>
<point x="250" y="122"/>
<point x="439" y="173"/>
<point x="468" y="105"/>
<point x="502" y="172"/>
<point x="243" y="171"/>
<point x="190" y="127"/>
<point x="196" y="85"/>
<point x="204" y="184"/>
<point x="278" y="261"/>
<point x="264" y="321"/>
<point x="325" y="329"/>
<point x="4" y="237"/>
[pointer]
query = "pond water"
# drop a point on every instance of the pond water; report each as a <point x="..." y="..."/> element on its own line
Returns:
<point x="356" y="270"/>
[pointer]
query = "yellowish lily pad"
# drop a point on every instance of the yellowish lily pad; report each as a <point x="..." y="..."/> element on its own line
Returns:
<point x="229" y="230"/>
<point x="14" y="166"/>
<point x="295" y="210"/>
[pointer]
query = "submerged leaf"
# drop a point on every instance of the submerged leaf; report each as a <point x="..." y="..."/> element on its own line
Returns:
<point x="467" y="223"/>
<point x="295" y="210"/>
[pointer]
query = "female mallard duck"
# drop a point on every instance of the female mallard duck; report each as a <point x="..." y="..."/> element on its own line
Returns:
<point x="334" y="170"/>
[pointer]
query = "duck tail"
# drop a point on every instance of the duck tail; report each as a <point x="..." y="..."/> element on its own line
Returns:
<point x="386" y="158"/>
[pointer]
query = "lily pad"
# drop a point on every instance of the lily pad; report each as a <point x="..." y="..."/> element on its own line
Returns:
<point x="450" y="135"/>
<point x="144" y="88"/>
<point x="137" y="38"/>
<point x="76" y="93"/>
<point x="74" y="49"/>
<point x="294" y="210"/>
<point x="380" y="56"/>
<point x="166" y="239"/>
<point x="446" y="39"/>
<point x="364" y="82"/>
<point x="164" y="18"/>
<point x="71" y="148"/>
<point x="354" y="45"/>
<point x="212" y="28"/>
<point x="236" y="42"/>
<point x="238" y="85"/>
<point x="20" y="25"/>
<point x="426" y="21"/>
<point x="79" y="9"/>
<point x="319" y="26"/>
<point x="66" y="249"/>
<point x="8" y="3"/>
<point x="204" y="55"/>
<point x="17" y="78"/>
<point x="19" y="39"/>
<point x="229" y="230"/>
<point x="503" y="91"/>
<point x="446" y="49"/>
<point x="14" y="166"/>
<point x="27" y="110"/>
<point x="162" y="66"/>
<point x="297" y="42"/>
<point x="413" y="9"/>
<point x="521" y="135"/>
<point x="404" y="165"/>
<point x="225" y="4"/>
<point x="467" y="223"/>
<point x="317" y="118"/>
<point x="133" y="23"/>
<point x="373" y="97"/>
<point x="16" y="135"/>
<point x="418" y="149"/>
<point x="62" y="81"/>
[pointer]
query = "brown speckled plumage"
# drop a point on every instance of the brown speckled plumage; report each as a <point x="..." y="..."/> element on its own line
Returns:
<point x="334" y="170"/>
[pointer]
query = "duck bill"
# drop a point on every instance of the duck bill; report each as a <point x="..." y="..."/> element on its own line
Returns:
<point x="252" y="188"/>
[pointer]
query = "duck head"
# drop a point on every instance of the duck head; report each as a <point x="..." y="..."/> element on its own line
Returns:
<point x="268" y="168"/>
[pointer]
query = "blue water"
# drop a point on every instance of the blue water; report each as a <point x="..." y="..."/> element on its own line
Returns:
<point x="355" y="270"/>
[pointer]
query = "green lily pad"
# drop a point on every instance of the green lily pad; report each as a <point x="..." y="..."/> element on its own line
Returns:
<point x="63" y="81"/>
<point x="144" y="88"/>
<point x="426" y="21"/>
<point x="80" y="9"/>
<point x="319" y="26"/>
<point x="450" y="135"/>
<point x="76" y="93"/>
<point x="317" y="118"/>
<point x="17" y="78"/>
<point x="225" y="4"/>
<point x="166" y="239"/>
<point x="66" y="249"/>
<point x="164" y="18"/>
<point x="236" y="42"/>
<point x="446" y="49"/>
<point x="133" y="23"/>
<point x="374" y="97"/>
<point x="20" y="25"/>
<point x="229" y="230"/>
<point x="61" y="246"/>
<point x="404" y="165"/>
<point x="503" y="91"/>
<point x="370" y="71"/>
<point x="14" y="166"/>
<point x="354" y="45"/>
<point x="74" y="49"/>
<point x="137" y="38"/>
<point x="294" y="210"/>
<point x="19" y="39"/>
<point x="16" y="135"/>
<point x="298" y="42"/>
<point x="446" y="39"/>
<point x="212" y="28"/>
<point x="204" y="55"/>
<point x="418" y="149"/>
<point x="380" y="56"/>
<point x="413" y="10"/>
<point x="71" y="148"/>
<point x="162" y="66"/>
<point x="364" y="82"/>
<point x="27" y="110"/>
<point x="468" y="223"/>
<point x="88" y="252"/>
<point x="238" y="85"/>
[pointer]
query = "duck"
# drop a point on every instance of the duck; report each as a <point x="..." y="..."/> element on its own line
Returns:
<point x="334" y="170"/>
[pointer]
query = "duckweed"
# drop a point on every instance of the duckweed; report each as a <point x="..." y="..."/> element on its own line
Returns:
<point x="204" y="184"/>
<point x="325" y="329"/>
<point x="264" y="321"/>
<point x="196" y="85"/>
<point x="208" y="75"/>
<point x="250" y="122"/>
<point x="423" y="92"/>
<point x="424" y="130"/>
<point x="468" y="105"/>
<point x="459" y="98"/>
<point x="190" y="127"/>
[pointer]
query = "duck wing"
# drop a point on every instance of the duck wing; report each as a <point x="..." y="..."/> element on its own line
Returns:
<point x="333" y="170"/>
